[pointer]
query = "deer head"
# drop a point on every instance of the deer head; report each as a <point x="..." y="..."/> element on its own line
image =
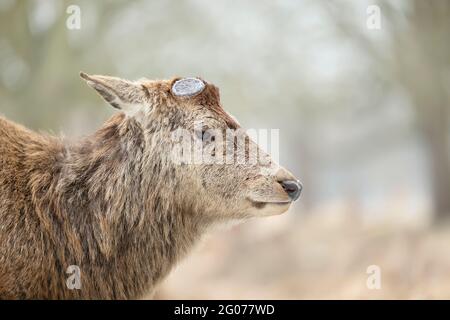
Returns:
<point x="203" y="156"/>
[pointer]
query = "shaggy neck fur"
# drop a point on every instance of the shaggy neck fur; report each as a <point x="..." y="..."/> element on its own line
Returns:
<point x="104" y="206"/>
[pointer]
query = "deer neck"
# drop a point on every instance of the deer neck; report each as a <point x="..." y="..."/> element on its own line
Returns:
<point x="134" y="232"/>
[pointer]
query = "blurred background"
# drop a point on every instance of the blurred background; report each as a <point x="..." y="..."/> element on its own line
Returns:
<point x="360" y="91"/>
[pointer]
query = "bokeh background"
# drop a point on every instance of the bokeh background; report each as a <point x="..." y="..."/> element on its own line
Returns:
<point x="363" y="115"/>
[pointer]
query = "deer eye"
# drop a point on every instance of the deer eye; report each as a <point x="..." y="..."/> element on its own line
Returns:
<point x="205" y="135"/>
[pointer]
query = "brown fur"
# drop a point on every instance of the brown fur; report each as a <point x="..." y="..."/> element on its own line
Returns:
<point x="113" y="203"/>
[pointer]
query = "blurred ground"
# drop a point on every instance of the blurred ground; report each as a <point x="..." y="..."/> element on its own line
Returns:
<point x="320" y="255"/>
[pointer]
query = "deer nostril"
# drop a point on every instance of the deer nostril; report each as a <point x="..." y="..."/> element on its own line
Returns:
<point x="292" y="187"/>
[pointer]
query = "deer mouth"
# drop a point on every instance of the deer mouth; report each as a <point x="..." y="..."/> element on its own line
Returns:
<point x="269" y="208"/>
<point x="262" y="204"/>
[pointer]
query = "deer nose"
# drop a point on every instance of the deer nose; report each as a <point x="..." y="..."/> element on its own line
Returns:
<point x="292" y="187"/>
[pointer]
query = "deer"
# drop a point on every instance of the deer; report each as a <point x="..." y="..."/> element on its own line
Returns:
<point x="115" y="203"/>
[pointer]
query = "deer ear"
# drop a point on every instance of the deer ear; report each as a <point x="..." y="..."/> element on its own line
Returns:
<point x="121" y="94"/>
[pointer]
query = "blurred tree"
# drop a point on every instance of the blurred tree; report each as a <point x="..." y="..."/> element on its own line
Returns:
<point x="414" y="57"/>
<point x="40" y="65"/>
